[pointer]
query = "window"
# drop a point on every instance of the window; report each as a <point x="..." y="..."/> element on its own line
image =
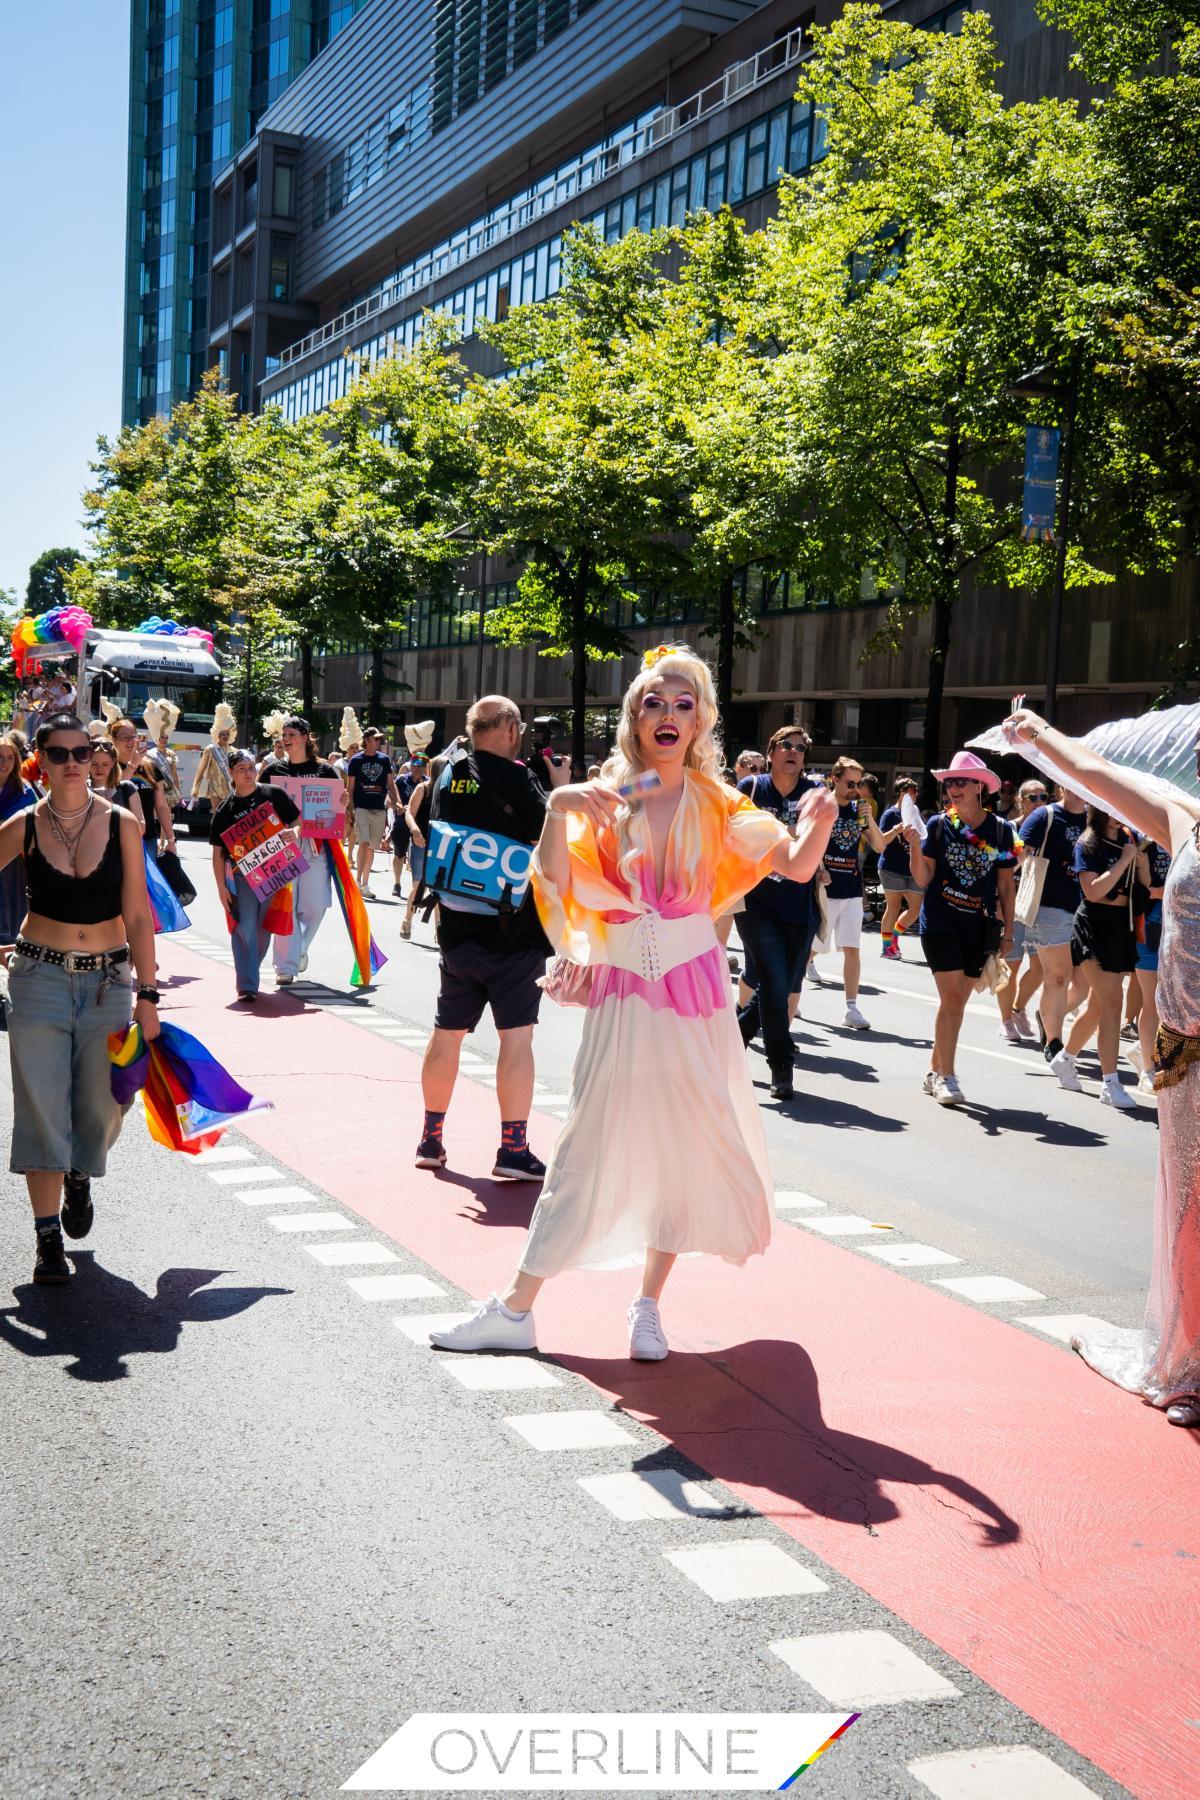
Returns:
<point x="281" y="268"/>
<point x="284" y="200"/>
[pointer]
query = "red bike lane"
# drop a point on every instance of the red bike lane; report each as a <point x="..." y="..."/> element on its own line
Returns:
<point x="1036" y="1523"/>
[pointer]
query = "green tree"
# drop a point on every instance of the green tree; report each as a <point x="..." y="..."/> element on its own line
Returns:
<point x="259" y="658"/>
<point x="945" y="244"/>
<point x="1120" y="37"/>
<point x="575" y="481"/>
<point x="47" y="580"/>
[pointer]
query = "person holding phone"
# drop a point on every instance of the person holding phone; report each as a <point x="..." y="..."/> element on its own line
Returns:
<point x="840" y="875"/>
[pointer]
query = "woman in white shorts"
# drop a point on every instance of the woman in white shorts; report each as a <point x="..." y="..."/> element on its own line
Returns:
<point x="840" y="876"/>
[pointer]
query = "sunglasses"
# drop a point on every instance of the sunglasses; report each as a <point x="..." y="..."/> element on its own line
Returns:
<point x="798" y="748"/>
<point x="959" y="781"/>
<point x="58" y="754"/>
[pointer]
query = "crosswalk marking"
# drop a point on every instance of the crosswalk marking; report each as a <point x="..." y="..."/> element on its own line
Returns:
<point x="231" y="1177"/>
<point x="587" y="1430"/>
<point x="278" y="1196"/>
<point x="349" y="1255"/>
<point x="986" y="1288"/>
<point x="486" y="1373"/>
<point x="754" y="1570"/>
<point x="840" y="1225"/>
<point x="418" y="1327"/>
<point x="910" y="1256"/>
<point x="652" y="1494"/>
<point x="1065" y="1326"/>
<point x="999" y="1772"/>
<point x="793" y="1199"/>
<point x="320" y="1221"/>
<point x="225" y="1153"/>
<point x="862" y="1668"/>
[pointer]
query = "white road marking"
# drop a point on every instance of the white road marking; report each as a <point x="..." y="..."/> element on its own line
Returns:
<point x="839" y="1225"/>
<point x="225" y="1153"/>
<point x="345" y="1256"/>
<point x="999" y="1772"/>
<point x="231" y="1177"/>
<point x="986" y="1288"/>
<point x="552" y="1100"/>
<point x="418" y="1328"/>
<point x="653" y="1494"/>
<point x="590" y="1430"/>
<point x="273" y="1196"/>
<point x="862" y="1668"/>
<point x="492" y="1373"/>
<point x="792" y="1200"/>
<point x="326" y="1221"/>
<point x="1065" y="1326"/>
<point x="910" y="1256"/>
<point x="753" y="1570"/>
<point x="409" y="1286"/>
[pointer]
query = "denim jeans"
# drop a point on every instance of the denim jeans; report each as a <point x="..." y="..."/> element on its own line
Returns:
<point x="64" y="1114"/>
<point x="780" y="951"/>
<point x="250" y="941"/>
<point x="312" y="893"/>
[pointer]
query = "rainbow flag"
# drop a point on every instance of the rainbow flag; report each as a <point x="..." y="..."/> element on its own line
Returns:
<point x="189" y="1098"/>
<point x="368" y="957"/>
<point x="277" y="917"/>
<point x="165" y="909"/>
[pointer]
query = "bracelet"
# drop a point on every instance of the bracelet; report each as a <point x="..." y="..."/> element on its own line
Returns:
<point x="146" y="992"/>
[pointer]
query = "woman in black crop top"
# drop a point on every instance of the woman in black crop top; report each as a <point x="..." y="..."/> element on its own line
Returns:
<point x="69" y="986"/>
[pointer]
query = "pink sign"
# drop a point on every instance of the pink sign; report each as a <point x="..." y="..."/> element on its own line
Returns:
<point x="320" y="802"/>
<point x="259" y="851"/>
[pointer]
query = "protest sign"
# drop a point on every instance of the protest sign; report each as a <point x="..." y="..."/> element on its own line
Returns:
<point x="258" y="850"/>
<point x="321" y="803"/>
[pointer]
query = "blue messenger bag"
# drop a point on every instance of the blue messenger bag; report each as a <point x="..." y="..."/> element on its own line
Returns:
<point x="474" y="868"/>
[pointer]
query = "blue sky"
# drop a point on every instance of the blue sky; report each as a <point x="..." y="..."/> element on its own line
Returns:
<point x="64" y="87"/>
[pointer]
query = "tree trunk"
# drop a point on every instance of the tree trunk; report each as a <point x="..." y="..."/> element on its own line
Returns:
<point x="579" y="671"/>
<point x="306" y="678"/>
<point x="248" y="694"/>
<point x="376" y="704"/>
<point x="943" y="607"/>
<point x="726" y="626"/>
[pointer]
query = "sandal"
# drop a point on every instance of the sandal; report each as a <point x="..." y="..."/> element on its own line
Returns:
<point x="405" y="928"/>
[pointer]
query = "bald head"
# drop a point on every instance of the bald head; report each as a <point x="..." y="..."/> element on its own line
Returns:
<point x="494" y="724"/>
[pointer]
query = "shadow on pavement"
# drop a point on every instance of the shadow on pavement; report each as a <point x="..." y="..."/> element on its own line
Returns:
<point x="752" y="1417"/>
<point x="486" y="1202"/>
<point x="100" y="1319"/>
<point x="997" y="1120"/>
<point x="830" y="1109"/>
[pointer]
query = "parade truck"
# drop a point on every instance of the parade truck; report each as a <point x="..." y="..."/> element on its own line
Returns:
<point x="159" y="661"/>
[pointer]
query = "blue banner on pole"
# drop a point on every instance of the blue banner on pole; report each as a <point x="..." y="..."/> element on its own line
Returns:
<point x="1041" y="483"/>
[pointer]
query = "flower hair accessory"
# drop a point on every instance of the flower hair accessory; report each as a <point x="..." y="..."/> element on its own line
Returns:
<point x="656" y="655"/>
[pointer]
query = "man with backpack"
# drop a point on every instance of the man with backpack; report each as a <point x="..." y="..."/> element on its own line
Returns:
<point x="485" y="814"/>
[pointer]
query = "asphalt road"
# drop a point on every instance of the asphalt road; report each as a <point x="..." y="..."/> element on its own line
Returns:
<point x="249" y="1532"/>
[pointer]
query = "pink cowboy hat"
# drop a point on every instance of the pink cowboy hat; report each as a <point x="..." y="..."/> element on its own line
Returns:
<point x="966" y="764"/>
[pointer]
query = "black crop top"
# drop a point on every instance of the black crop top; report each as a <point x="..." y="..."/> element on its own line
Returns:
<point x="74" y="899"/>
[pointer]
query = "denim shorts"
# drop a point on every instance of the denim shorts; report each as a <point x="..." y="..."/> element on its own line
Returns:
<point x="1052" y="927"/>
<point x="64" y="1114"/>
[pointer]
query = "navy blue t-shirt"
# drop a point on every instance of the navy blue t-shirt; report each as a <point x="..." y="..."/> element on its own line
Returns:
<point x="841" y="854"/>
<point x="787" y="900"/>
<point x="1053" y="832"/>
<point x="1096" y="856"/>
<point x="962" y="891"/>
<point x="893" y="858"/>
<point x="369" y="775"/>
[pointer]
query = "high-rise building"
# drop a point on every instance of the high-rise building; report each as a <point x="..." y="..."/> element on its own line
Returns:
<point x="201" y="74"/>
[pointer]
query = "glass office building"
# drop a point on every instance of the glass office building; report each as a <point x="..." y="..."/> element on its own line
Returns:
<point x="202" y="72"/>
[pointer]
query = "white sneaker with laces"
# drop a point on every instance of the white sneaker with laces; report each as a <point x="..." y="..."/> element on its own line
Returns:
<point x="647" y="1339"/>
<point x="490" y="1327"/>
<point x="1020" y="1019"/>
<point x="1146" y="1087"/>
<point x="1008" y="1029"/>
<point x="1113" y="1094"/>
<point x="854" y="1020"/>
<point x="946" y="1090"/>
<point x="929" y="1085"/>
<point x="1064" y="1067"/>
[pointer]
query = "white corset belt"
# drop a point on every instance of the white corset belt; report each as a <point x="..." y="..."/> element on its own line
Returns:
<point x="651" y="946"/>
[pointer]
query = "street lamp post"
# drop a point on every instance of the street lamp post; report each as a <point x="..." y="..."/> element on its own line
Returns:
<point x="1040" y="384"/>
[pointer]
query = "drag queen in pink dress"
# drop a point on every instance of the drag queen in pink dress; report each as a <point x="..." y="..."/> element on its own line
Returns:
<point x="663" y="1152"/>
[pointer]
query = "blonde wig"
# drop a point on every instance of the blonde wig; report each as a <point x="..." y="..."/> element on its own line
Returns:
<point x="224" y="719"/>
<point x="351" y="731"/>
<point x="704" y="758"/>
<point x="273" y="724"/>
<point x="161" y="718"/>
<point x="111" y="713"/>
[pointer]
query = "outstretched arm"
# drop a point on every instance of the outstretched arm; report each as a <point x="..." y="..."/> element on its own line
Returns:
<point x="1167" y="821"/>
<point x="797" y="857"/>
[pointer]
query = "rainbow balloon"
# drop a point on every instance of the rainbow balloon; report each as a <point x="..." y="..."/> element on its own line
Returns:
<point x="61" y="625"/>
<point x="156" y="627"/>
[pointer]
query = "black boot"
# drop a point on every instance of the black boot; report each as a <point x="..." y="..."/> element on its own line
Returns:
<point x="781" y="1085"/>
<point x="51" y="1267"/>
<point x="78" y="1212"/>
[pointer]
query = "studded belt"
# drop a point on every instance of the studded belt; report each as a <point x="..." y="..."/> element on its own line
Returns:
<point x="77" y="962"/>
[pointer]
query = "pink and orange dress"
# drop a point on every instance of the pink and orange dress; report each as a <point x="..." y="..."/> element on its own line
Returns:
<point x="663" y="1147"/>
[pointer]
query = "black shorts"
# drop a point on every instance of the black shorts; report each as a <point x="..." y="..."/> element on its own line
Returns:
<point x="964" y="951"/>
<point x="401" y="836"/>
<point x="475" y="976"/>
<point x="1104" y="935"/>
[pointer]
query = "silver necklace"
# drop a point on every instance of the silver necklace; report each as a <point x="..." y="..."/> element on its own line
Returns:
<point x="69" y="839"/>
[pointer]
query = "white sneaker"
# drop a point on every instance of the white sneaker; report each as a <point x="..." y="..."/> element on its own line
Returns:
<point x="1063" y="1066"/>
<point x="1146" y="1087"/>
<point x="304" y="962"/>
<point x="1134" y="1057"/>
<point x="929" y="1085"/>
<point x="1113" y="1094"/>
<point x="1008" y="1029"/>
<point x="813" y="975"/>
<point x="1020" y="1019"/>
<point x="491" y="1327"/>
<point x="854" y="1020"/>
<point x="647" y="1339"/>
<point x="946" y="1090"/>
<point x="284" y="980"/>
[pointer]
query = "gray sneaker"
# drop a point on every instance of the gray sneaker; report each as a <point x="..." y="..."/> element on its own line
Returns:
<point x="946" y="1090"/>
